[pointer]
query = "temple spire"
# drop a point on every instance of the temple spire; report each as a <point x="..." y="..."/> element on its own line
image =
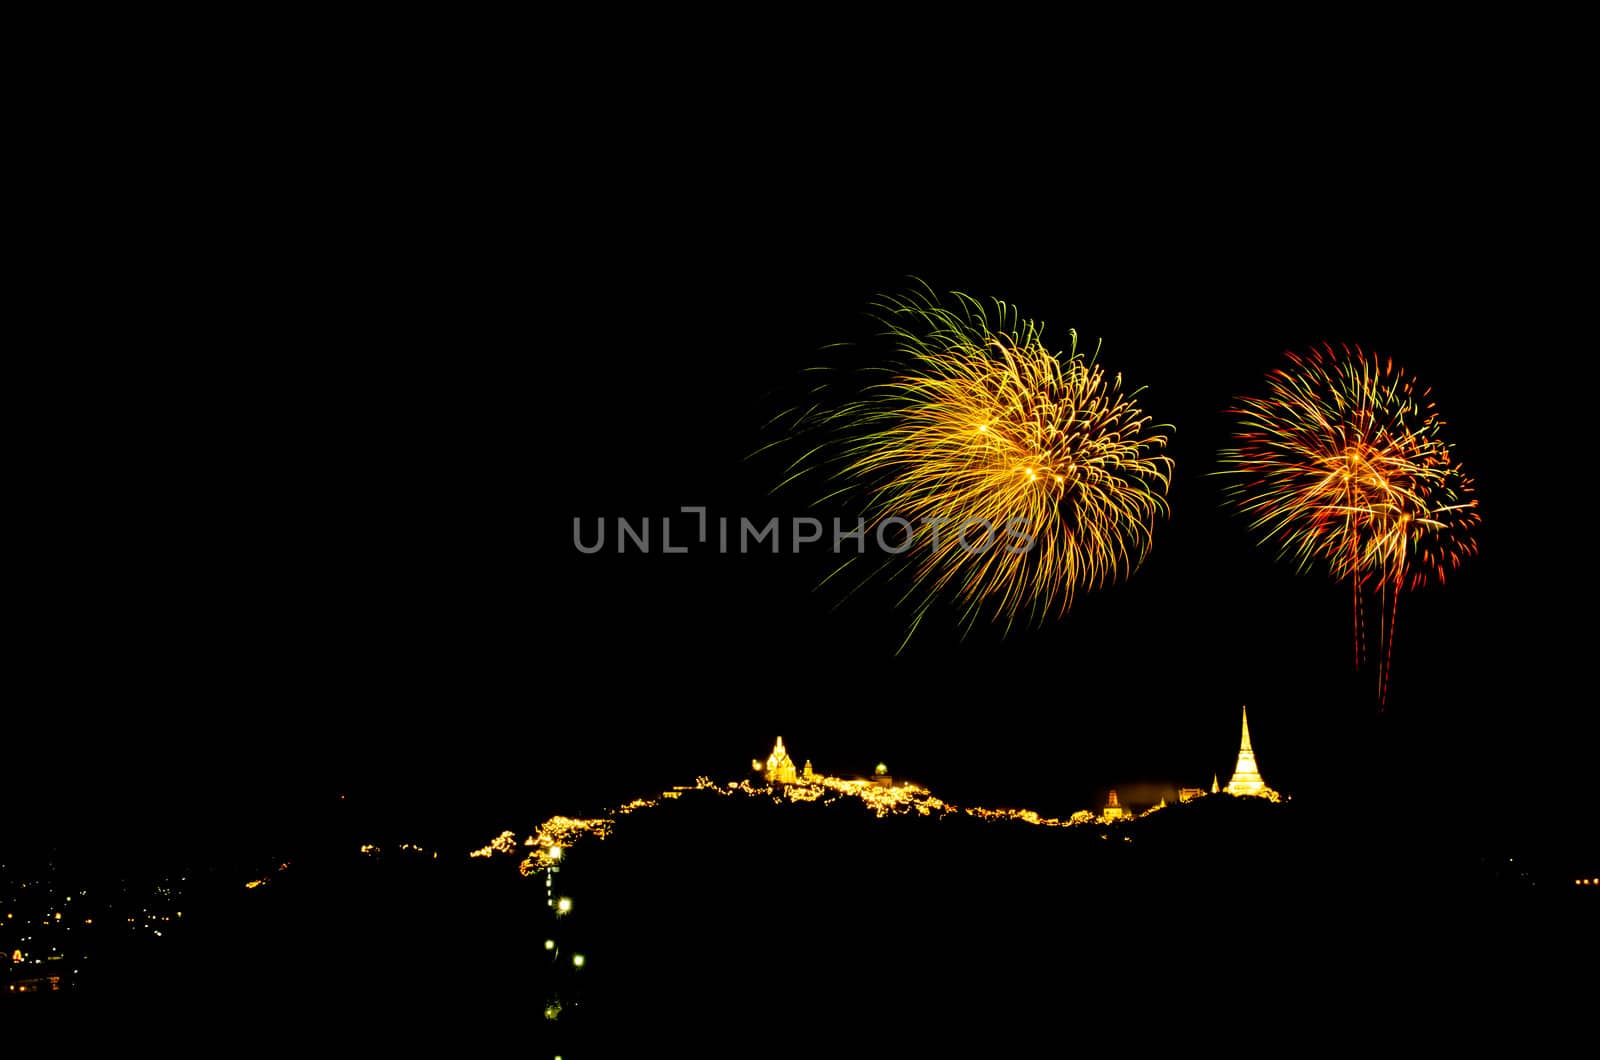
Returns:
<point x="780" y="767"/>
<point x="1246" y="777"/>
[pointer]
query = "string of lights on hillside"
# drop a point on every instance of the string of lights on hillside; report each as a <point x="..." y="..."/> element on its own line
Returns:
<point x="777" y="779"/>
<point x="558" y="834"/>
<point x="780" y="781"/>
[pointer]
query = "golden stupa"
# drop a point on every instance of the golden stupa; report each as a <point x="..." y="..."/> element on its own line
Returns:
<point x="1246" y="777"/>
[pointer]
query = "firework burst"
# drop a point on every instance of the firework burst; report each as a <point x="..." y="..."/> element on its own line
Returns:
<point x="1011" y="476"/>
<point x="1342" y="464"/>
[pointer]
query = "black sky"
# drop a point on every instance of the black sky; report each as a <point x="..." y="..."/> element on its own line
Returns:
<point x="308" y="452"/>
<point x="1142" y="681"/>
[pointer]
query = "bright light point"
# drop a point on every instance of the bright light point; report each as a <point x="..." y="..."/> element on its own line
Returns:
<point x="555" y="853"/>
<point x="564" y="905"/>
<point x="983" y="428"/>
<point x="882" y="770"/>
<point x="549" y="944"/>
<point x="577" y="960"/>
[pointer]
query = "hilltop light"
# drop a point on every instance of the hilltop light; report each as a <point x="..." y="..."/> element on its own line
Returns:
<point x="564" y="905"/>
<point x="549" y="944"/>
<point x="882" y="770"/>
<point x="577" y="960"/>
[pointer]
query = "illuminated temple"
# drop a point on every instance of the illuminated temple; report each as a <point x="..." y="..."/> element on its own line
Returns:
<point x="784" y="779"/>
<point x="780" y="767"/>
<point x="1246" y="777"/>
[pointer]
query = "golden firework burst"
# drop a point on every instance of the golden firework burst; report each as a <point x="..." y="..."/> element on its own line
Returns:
<point x="1008" y="475"/>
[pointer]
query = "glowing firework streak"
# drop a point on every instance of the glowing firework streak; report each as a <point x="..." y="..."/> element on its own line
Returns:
<point x="1342" y="463"/>
<point x="1009" y="476"/>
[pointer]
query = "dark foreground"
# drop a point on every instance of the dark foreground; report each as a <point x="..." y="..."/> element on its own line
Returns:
<point x="741" y="925"/>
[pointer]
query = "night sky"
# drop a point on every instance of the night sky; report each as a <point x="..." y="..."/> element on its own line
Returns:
<point x="1142" y="681"/>
<point x="304" y="478"/>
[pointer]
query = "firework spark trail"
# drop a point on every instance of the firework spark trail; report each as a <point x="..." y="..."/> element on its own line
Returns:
<point x="1014" y="475"/>
<point x="1342" y="463"/>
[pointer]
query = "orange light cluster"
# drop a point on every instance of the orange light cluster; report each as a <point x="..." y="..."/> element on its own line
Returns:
<point x="504" y="843"/>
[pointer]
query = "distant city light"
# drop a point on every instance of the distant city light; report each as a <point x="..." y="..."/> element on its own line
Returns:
<point x="577" y="960"/>
<point x="549" y="944"/>
<point x="564" y="905"/>
<point x="555" y="853"/>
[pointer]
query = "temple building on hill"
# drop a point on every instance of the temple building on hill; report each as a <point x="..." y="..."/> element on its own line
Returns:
<point x="780" y="767"/>
<point x="1113" y="809"/>
<point x="1246" y="777"/>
